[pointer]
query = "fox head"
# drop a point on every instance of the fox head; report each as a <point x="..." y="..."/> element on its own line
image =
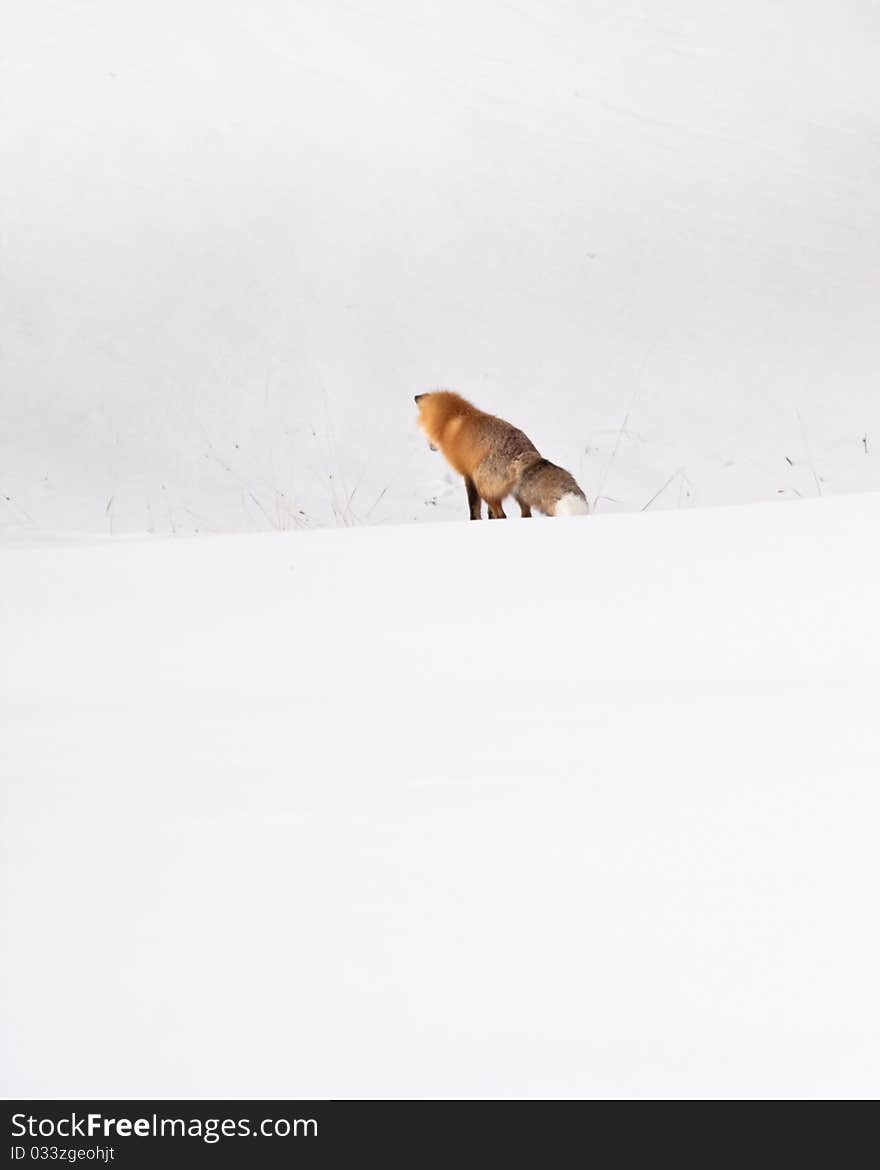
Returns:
<point x="436" y="411"/>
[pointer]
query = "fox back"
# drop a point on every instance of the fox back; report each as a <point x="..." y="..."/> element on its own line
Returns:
<point x="467" y="436"/>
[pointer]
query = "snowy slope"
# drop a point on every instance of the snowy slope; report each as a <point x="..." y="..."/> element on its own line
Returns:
<point x="574" y="807"/>
<point x="236" y="239"/>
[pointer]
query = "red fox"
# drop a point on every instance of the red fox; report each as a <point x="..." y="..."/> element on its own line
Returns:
<point x="496" y="460"/>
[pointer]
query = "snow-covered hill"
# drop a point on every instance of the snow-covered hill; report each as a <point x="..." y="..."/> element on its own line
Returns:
<point x="582" y="807"/>
<point x="236" y="239"/>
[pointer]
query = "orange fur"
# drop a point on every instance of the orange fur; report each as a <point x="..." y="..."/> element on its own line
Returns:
<point x="456" y="428"/>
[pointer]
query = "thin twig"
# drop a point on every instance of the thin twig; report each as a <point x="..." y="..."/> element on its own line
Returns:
<point x="243" y="484"/>
<point x="809" y="456"/>
<point x="660" y="491"/>
<point x="622" y="430"/>
<point x="170" y="514"/>
<point x="13" y="503"/>
<point x="620" y="434"/>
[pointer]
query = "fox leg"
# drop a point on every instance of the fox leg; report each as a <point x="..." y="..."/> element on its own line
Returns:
<point x="474" y="502"/>
<point x="493" y="485"/>
<point x="524" y="508"/>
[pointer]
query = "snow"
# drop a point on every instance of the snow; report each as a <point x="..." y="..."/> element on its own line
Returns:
<point x="581" y="807"/>
<point x="236" y="240"/>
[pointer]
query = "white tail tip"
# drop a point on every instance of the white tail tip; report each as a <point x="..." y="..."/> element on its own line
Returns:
<point x="572" y="505"/>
